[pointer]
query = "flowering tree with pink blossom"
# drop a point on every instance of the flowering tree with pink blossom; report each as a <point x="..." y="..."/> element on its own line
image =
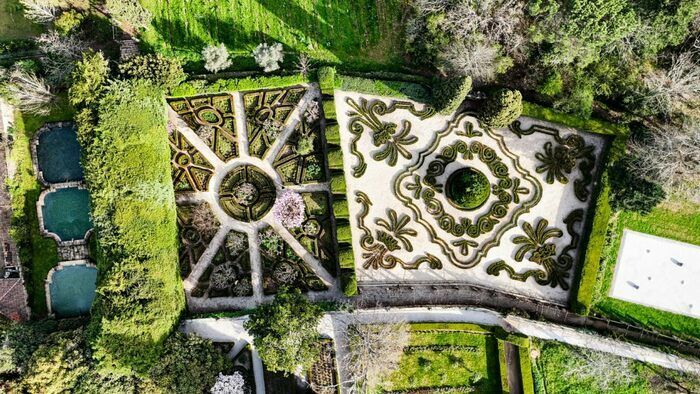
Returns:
<point x="289" y="209"/>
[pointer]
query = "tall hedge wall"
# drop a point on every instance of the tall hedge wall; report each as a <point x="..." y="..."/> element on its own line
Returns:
<point x="127" y="169"/>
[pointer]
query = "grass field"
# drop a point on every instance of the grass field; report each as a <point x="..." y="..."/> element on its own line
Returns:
<point x="355" y="33"/>
<point x="555" y="366"/>
<point x="38" y="254"/>
<point x="447" y="359"/>
<point x="671" y="220"/>
<point x="13" y="25"/>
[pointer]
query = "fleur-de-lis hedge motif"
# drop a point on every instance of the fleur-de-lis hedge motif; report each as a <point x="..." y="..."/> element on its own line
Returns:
<point x="396" y="226"/>
<point x="559" y="161"/>
<point x="378" y="249"/>
<point x="536" y="245"/>
<point x="391" y="140"/>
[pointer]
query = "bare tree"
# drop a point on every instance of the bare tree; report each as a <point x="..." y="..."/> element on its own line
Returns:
<point x="670" y="156"/>
<point x="477" y="61"/>
<point x="606" y="370"/>
<point x="204" y="221"/>
<point x="29" y="92"/>
<point x="676" y="87"/>
<point x="40" y="11"/>
<point x="374" y="351"/>
<point x="303" y="64"/>
<point x="59" y="54"/>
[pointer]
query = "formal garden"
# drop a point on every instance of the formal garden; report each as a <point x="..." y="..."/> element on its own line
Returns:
<point x="282" y="168"/>
<point x="254" y="209"/>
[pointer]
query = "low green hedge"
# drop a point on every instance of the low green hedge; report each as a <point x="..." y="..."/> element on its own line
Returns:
<point x="397" y="89"/>
<point x="329" y="109"/>
<point x="335" y="158"/>
<point x="591" y="125"/>
<point x="202" y="86"/>
<point x="338" y="183"/>
<point x="343" y="230"/>
<point x="503" y="367"/>
<point x="526" y="370"/>
<point x="333" y="134"/>
<point x="586" y="285"/>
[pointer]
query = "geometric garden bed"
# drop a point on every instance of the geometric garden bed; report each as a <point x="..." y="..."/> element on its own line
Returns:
<point x="233" y="155"/>
<point x="443" y="199"/>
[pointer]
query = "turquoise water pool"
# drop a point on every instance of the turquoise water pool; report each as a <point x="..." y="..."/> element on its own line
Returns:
<point x="66" y="213"/>
<point x="58" y="155"/>
<point x="72" y="290"/>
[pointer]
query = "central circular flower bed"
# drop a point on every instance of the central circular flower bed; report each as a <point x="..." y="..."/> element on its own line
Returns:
<point x="467" y="188"/>
<point x="247" y="193"/>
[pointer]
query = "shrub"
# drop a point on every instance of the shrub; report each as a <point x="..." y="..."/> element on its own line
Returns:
<point x="326" y="78"/>
<point x="19" y="341"/>
<point x="89" y="77"/>
<point x="68" y="21"/>
<point x="215" y="58"/>
<point x="631" y="192"/>
<point x="268" y="57"/>
<point x="129" y="11"/>
<point x="230" y="384"/>
<point x="165" y="72"/>
<point x="39" y="11"/>
<point x="448" y="94"/>
<point x="305" y="145"/>
<point x="127" y="170"/>
<point x="501" y="108"/>
<point x="203" y="220"/>
<point x="284" y="332"/>
<point x="189" y="364"/>
<point x="57" y="365"/>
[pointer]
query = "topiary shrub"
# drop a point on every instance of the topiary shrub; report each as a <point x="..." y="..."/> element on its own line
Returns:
<point x="326" y="79"/>
<point x="162" y="71"/>
<point x="632" y="193"/>
<point x="468" y="188"/>
<point x="501" y="108"/>
<point x="448" y="94"/>
<point x="269" y="57"/>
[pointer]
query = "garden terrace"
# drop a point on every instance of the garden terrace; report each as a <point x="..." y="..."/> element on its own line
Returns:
<point x="234" y="157"/>
<point x="436" y="199"/>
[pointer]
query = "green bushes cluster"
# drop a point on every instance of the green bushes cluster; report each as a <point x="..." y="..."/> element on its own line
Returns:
<point x="284" y="332"/>
<point x="127" y="170"/>
<point x="164" y="72"/>
<point x="57" y="359"/>
<point x="632" y="193"/>
<point x="501" y="108"/>
<point x="448" y="94"/>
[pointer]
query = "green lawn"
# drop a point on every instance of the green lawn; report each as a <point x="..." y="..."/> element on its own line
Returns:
<point x="355" y="33"/>
<point x="555" y="366"/>
<point x="38" y="254"/>
<point x="676" y="221"/>
<point x="13" y="24"/>
<point x="471" y="361"/>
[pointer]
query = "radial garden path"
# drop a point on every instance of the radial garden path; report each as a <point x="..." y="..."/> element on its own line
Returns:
<point x="252" y="154"/>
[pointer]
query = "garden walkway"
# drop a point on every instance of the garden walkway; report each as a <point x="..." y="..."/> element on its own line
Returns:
<point x="334" y="324"/>
<point x="464" y="295"/>
<point x="13" y="295"/>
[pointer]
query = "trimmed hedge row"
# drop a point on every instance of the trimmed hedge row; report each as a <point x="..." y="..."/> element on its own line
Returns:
<point x="127" y="169"/>
<point x="201" y="86"/>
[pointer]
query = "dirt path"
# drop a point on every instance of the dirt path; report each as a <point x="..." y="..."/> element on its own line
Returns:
<point x="515" y="376"/>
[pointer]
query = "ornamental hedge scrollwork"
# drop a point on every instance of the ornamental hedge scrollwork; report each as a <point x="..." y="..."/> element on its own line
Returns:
<point x="378" y="249"/>
<point x="385" y="135"/>
<point x="536" y="242"/>
<point x="507" y="190"/>
<point x="560" y="160"/>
